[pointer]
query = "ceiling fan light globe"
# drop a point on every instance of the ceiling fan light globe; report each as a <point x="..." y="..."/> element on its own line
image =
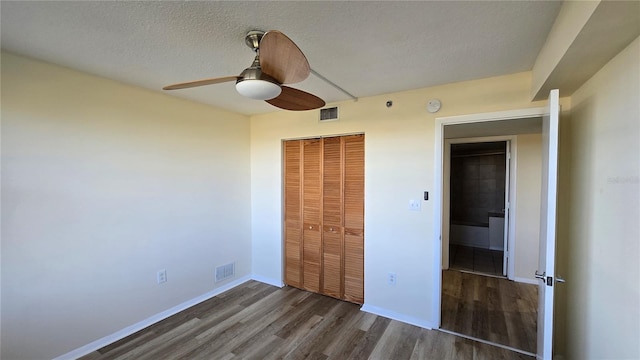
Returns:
<point x="258" y="89"/>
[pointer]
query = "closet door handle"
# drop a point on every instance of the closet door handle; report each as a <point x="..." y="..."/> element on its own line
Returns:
<point x="331" y="229"/>
<point x="310" y="227"/>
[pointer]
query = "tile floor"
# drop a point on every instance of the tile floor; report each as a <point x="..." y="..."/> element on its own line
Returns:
<point x="474" y="259"/>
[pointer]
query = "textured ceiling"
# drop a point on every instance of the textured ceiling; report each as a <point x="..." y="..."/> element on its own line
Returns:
<point x="367" y="48"/>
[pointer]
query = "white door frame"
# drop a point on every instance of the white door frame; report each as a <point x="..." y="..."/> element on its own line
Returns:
<point x="440" y="123"/>
<point x="548" y="223"/>
<point x="508" y="247"/>
<point x="511" y="176"/>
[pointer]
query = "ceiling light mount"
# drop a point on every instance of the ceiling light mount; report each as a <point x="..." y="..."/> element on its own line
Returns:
<point x="252" y="39"/>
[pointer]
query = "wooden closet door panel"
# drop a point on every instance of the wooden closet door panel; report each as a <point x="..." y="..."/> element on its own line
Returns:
<point x="293" y="213"/>
<point x="354" y="267"/>
<point x="312" y="214"/>
<point x="311" y="180"/>
<point x="354" y="182"/>
<point x="332" y="260"/>
<point x="332" y="256"/>
<point x="293" y="264"/>
<point x="292" y="194"/>
<point x="354" y="218"/>
<point x="332" y="182"/>
<point x="311" y="255"/>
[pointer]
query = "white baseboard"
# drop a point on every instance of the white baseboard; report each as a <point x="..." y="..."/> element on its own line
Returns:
<point x="398" y="316"/>
<point x="526" y="281"/>
<point x="109" y="339"/>
<point x="266" y="280"/>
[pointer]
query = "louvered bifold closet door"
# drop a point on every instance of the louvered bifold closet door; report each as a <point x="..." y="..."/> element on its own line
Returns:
<point x="332" y="219"/>
<point x="354" y="218"/>
<point x="311" y="214"/>
<point x="324" y="216"/>
<point x="293" y="213"/>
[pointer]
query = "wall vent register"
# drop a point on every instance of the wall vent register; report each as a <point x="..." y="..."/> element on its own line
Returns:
<point x="329" y="114"/>
<point x="225" y="271"/>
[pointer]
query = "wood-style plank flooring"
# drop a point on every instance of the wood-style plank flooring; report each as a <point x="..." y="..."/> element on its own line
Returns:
<point x="492" y="309"/>
<point x="475" y="259"/>
<point x="259" y="321"/>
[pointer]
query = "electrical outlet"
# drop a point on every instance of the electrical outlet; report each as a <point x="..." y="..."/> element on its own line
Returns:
<point x="391" y="278"/>
<point x="162" y="276"/>
<point x="414" y="205"/>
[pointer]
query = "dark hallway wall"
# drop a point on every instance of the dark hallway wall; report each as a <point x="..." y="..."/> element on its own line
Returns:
<point x="477" y="182"/>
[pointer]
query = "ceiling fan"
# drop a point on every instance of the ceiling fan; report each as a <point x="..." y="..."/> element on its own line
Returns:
<point x="278" y="61"/>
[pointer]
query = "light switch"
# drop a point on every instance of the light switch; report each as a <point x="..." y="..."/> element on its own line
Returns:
<point x="414" y="205"/>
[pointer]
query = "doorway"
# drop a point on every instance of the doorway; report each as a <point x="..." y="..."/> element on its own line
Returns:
<point x="471" y="289"/>
<point x="478" y="198"/>
<point x="478" y="204"/>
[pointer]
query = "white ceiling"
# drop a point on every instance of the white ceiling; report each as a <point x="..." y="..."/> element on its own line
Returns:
<point x="367" y="48"/>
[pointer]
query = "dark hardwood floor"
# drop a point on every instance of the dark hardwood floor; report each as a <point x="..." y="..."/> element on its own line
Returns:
<point x="259" y="321"/>
<point x="489" y="308"/>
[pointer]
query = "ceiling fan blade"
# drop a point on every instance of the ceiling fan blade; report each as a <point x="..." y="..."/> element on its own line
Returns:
<point x="203" y="82"/>
<point x="281" y="58"/>
<point x="296" y="100"/>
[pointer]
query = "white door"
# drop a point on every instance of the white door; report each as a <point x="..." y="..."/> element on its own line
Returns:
<point x="546" y="266"/>
<point x="507" y="212"/>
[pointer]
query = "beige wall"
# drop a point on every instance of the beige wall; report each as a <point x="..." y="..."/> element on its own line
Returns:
<point x="602" y="170"/>
<point x="399" y="166"/>
<point x="104" y="184"/>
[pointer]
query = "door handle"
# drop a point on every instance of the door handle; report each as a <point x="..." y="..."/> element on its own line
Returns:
<point x="548" y="279"/>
